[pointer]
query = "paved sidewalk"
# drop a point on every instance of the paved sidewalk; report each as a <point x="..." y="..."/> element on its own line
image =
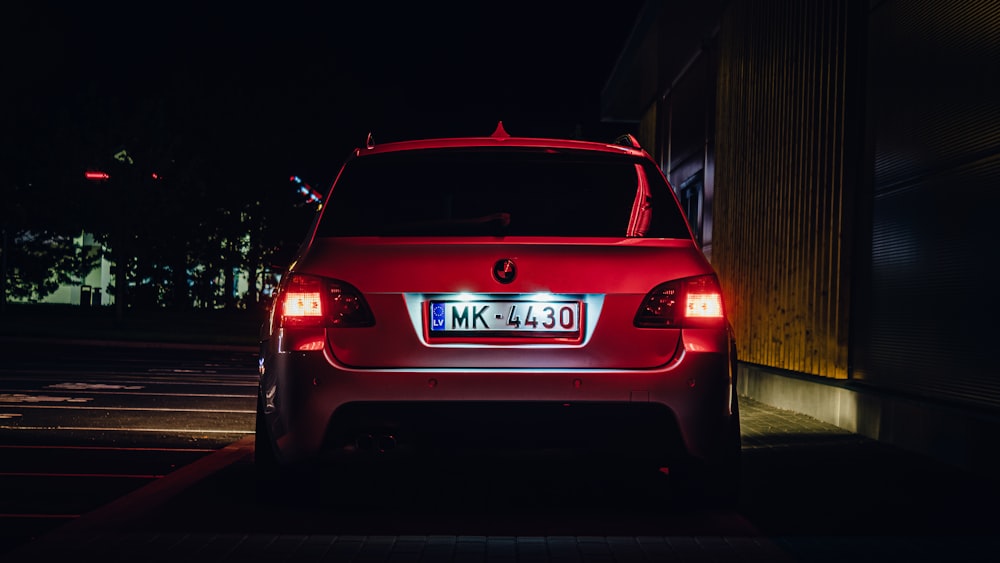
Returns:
<point x="436" y="549"/>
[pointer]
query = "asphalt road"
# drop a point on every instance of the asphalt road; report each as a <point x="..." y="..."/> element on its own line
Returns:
<point x="81" y="425"/>
<point x="144" y="454"/>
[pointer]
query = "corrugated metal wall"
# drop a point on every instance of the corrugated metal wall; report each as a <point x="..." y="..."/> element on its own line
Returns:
<point x="934" y="115"/>
<point x="783" y="202"/>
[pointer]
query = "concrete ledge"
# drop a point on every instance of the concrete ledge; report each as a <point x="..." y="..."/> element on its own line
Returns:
<point x="957" y="435"/>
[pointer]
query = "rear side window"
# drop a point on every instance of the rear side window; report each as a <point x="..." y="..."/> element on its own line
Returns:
<point x="516" y="192"/>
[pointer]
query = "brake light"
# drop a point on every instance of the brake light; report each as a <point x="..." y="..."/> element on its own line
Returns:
<point x="315" y="301"/>
<point x="703" y="305"/>
<point x="691" y="302"/>
<point x="302" y="305"/>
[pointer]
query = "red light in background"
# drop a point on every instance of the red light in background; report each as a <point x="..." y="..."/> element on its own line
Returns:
<point x="96" y="175"/>
<point x="156" y="176"/>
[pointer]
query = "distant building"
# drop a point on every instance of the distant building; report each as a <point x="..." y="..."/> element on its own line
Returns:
<point x="92" y="290"/>
<point x="97" y="288"/>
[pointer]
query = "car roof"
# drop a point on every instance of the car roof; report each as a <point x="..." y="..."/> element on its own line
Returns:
<point x="500" y="138"/>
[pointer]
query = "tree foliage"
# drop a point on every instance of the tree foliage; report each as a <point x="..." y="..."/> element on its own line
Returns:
<point x="40" y="260"/>
<point x="180" y="216"/>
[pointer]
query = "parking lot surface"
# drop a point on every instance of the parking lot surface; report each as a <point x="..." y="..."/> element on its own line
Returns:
<point x="812" y="492"/>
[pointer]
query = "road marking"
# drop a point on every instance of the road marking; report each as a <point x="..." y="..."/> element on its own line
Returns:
<point x="104" y="448"/>
<point x="152" y="394"/>
<point x="94" y="429"/>
<point x="82" y="386"/>
<point x="32" y="377"/>
<point x="169" y="370"/>
<point x="43" y="516"/>
<point x="243" y="349"/>
<point x="25" y="398"/>
<point x="67" y="475"/>
<point x="142" y="409"/>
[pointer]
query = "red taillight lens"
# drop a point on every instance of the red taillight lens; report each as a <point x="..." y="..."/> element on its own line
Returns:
<point x="300" y="305"/>
<point x="691" y="302"/>
<point x="703" y="305"/>
<point x="314" y="301"/>
<point x="347" y="307"/>
<point x="302" y="301"/>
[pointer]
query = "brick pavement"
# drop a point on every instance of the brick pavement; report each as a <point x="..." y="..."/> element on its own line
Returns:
<point x="173" y="547"/>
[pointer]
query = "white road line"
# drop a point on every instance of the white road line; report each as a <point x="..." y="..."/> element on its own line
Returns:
<point x="84" y="386"/>
<point x="67" y="475"/>
<point x="105" y="448"/>
<point x="251" y="380"/>
<point x="133" y="393"/>
<point x="185" y="371"/>
<point x="98" y="429"/>
<point x="20" y="398"/>
<point x="229" y="348"/>
<point x="42" y="516"/>
<point x="141" y="394"/>
<point x="17" y="406"/>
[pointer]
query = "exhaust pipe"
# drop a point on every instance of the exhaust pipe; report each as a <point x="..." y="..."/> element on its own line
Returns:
<point x="380" y="443"/>
<point x="385" y="443"/>
<point x="364" y="442"/>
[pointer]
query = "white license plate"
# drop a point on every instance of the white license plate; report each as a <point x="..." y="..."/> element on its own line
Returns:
<point x="504" y="318"/>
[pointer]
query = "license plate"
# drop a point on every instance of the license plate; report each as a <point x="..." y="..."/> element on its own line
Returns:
<point x="504" y="318"/>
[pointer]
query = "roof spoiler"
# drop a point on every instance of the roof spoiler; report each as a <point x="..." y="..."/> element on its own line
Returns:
<point x="628" y="140"/>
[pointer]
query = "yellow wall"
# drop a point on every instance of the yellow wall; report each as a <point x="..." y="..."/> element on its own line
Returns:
<point x="782" y="206"/>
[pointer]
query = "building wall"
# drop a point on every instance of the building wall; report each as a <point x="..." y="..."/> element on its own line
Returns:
<point x="647" y="128"/>
<point x="99" y="281"/>
<point x="786" y="143"/>
<point x="685" y="145"/>
<point x="934" y="140"/>
<point x="857" y="150"/>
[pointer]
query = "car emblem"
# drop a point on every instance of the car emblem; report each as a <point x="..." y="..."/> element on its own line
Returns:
<point x="504" y="270"/>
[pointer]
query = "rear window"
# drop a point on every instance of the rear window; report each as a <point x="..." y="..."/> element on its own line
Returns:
<point x="517" y="192"/>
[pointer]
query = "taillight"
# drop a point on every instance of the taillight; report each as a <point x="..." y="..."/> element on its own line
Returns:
<point x="315" y="301"/>
<point x="691" y="302"/>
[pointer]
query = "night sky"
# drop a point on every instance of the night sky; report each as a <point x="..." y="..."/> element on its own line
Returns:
<point x="274" y="89"/>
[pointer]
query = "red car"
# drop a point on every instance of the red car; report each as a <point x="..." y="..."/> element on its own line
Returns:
<point x="501" y="293"/>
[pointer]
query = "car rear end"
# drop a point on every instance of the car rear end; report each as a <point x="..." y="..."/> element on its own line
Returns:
<point x="500" y="294"/>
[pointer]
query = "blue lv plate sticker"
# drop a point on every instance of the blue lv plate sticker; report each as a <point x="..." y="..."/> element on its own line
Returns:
<point x="437" y="316"/>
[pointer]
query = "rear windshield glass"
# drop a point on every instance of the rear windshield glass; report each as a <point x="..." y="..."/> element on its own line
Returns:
<point x="463" y="192"/>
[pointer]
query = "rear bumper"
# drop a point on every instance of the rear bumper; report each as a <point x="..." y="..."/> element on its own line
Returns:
<point x="316" y="407"/>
